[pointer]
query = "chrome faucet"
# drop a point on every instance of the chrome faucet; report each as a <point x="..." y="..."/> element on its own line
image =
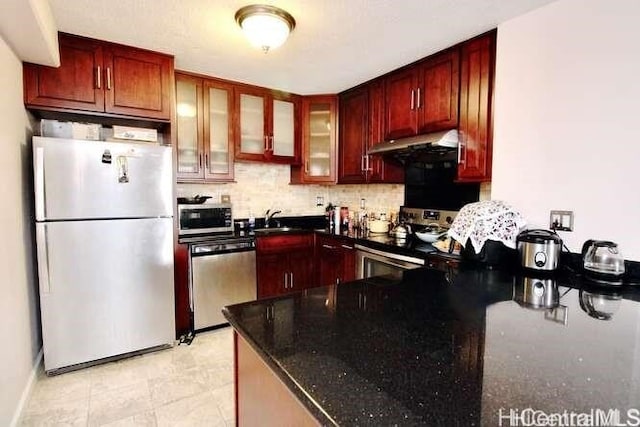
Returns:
<point x="268" y="217"/>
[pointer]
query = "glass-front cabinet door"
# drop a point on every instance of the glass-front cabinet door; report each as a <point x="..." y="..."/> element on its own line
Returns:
<point x="218" y="131"/>
<point x="266" y="126"/>
<point x="204" y="129"/>
<point x="318" y="141"/>
<point x="252" y="139"/>
<point x="189" y="125"/>
<point x="282" y="140"/>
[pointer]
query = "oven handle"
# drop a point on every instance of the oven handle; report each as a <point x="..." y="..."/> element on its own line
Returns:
<point x="392" y="256"/>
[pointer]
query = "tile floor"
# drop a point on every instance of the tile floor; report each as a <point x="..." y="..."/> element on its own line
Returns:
<point x="183" y="386"/>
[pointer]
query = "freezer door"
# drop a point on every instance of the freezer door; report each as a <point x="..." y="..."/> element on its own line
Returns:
<point x="97" y="179"/>
<point x="106" y="288"/>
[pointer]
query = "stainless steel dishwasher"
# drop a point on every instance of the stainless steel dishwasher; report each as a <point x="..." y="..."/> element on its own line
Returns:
<point x="223" y="272"/>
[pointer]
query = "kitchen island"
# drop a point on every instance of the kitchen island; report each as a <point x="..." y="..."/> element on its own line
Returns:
<point x="436" y="349"/>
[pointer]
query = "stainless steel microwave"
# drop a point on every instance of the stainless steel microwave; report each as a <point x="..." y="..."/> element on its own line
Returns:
<point x="204" y="218"/>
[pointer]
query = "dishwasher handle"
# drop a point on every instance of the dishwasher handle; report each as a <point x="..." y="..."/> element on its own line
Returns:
<point x="209" y="250"/>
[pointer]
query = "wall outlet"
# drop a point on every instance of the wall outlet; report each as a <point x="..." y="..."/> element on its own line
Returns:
<point x="225" y="198"/>
<point x="561" y="220"/>
<point x="319" y="201"/>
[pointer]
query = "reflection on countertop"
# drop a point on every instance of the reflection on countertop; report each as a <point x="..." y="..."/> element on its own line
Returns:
<point x="438" y="352"/>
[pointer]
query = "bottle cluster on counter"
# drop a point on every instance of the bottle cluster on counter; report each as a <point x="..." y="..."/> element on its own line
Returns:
<point x="341" y="219"/>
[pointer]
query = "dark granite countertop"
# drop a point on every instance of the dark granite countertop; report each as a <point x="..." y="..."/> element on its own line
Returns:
<point x="436" y="349"/>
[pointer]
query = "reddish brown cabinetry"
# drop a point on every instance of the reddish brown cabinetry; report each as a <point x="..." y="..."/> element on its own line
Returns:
<point x="284" y="263"/>
<point x="423" y="97"/>
<point x="262" y="399"/>
<point x="360" y="127"/>
<point x="476" y="98"/>
<point x="101" y="77"/>
<point x="335" y="259"/>
<point x="267" y="125"/>
<point x="318" y="123"/>
<point x="204" y="147"/>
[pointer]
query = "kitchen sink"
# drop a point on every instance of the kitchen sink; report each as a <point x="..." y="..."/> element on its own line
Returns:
<point x="272" y="230"/>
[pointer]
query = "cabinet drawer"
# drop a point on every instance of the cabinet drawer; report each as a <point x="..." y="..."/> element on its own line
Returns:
<point x="284" y="243"/>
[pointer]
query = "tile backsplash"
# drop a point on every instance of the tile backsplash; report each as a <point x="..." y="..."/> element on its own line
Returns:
<point x="259" y="187"/>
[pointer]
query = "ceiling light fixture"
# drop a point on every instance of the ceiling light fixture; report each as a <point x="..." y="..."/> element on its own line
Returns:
<point x="266" y="27"/>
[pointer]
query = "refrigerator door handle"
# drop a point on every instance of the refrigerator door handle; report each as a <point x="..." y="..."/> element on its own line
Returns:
<point x="42" y="243"/>
<point x="40" y="201"/>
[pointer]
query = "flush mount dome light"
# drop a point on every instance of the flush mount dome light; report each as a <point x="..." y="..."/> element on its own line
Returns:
<point x="266" y="27"/>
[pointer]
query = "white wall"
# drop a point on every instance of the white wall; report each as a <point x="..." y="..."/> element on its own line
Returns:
<point x="19" y="321"/>
<point x="567" y="118"/>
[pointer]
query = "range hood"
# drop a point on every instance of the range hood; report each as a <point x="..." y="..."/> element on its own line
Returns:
<point x="427" y="147"/>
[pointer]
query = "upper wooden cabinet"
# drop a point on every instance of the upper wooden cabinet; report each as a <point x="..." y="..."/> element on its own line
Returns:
<point x="423" y="97"/>
<point x="360" y="127"/>
<point x="98" y="77"/>
<point x="204" y="149"/>
<point x="476" y="99"/>
<point x="318" y="123"/>
<point x="266" y="125"/>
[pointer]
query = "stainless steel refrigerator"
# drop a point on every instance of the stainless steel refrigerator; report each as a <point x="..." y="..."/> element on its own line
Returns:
<point x="104" y="232"/>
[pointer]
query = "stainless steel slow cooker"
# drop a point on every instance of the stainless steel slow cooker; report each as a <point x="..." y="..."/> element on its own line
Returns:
<point x="539" y="249"/>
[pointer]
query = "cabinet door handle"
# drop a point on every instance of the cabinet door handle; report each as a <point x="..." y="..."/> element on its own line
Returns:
<point x="108" y="78"/>
<point x="306" y="167"/>
<point x="413" y="99"/>
<point x="337" y="280"/>
<point x="99" y="77"/>
<point x="286" y="283"/>
<point x="460" y="148"/>
<point x="347" y="247"/>
<point x="419" y="100"/>
<point x="199" y="161"/>
<point x="266" y="143"/>
<point x="362" y="164"/>
<point x="271" y="140"/>
<point x="328" y="247"/>
<point x="206" y="161"/>
<point x="368" y="166"/>
<point x="291" y="280"/>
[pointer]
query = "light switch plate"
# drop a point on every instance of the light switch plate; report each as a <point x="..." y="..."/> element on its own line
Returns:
<point x="561" y="220"/>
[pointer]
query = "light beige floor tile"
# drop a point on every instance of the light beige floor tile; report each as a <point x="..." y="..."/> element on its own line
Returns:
<point x="72" y="385"/>
<point x="124" y="393"/>
<point x="46" y="421"/>
<point x="168" y="362"/>
<point x="198" y="410"/>
<point x="115" y="376"/>
<point x="63" y="411"/>
<point x="183" y="384"/>
<point x="145" y="419"/>
<point x="219" y="373"/>
<point x="120" y="403"/>
<point x="225" y="399"/>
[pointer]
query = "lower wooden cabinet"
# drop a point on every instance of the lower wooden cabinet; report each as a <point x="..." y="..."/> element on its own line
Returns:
<point x="262" y="399"/>
<point x="284" y="264"/>
<point x="335" y="259"/>
<point x="181" y="289"/>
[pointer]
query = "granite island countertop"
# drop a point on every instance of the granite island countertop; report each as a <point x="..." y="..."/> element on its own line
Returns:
<point x="423" y="350"/>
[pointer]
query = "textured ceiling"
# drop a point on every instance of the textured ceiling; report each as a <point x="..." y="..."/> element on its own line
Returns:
<point x="335" y="45"/>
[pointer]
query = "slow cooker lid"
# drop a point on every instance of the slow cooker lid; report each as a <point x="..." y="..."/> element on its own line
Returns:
<point x="539" y="236"/>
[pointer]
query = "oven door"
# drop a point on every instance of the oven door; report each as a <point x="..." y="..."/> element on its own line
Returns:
<point x="374" y="263"/>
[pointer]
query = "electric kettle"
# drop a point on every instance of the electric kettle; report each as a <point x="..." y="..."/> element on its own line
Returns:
<point x="603" y="258"/>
